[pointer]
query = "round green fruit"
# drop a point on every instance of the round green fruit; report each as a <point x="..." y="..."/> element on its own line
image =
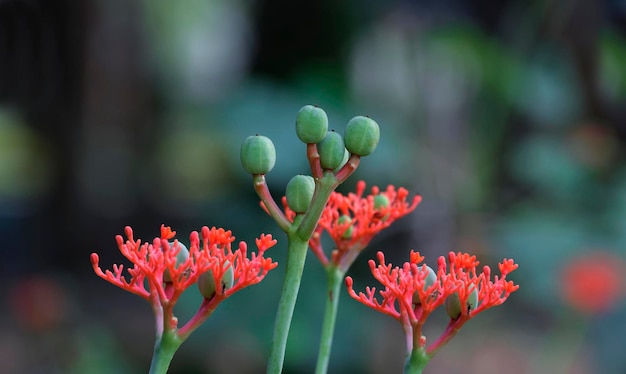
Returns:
<point x="258" y="154"/>
<point x="331" y="150"/>
<point x="362" y="135"/>
<point x="381" y="201"/>
<point x="206" y="282"/>
<point x="453" y="304"/>
<point x="299" y="193"/>
<point x="181" y="257"/>
<point x="342" y="220"/>
<point x="431" y="278"/>
<point x="311" y="124"/>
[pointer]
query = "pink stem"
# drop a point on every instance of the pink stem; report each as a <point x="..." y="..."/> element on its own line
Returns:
<point x="266" y="197"/>
<point x="314" y="160"/>
<point x="206" y="309"/>
<point x="450" y="332"/>
<point x="348" y="168"/>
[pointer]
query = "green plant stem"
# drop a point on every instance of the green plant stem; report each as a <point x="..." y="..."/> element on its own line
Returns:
<point x="164" y="348"/>
<point x="333" y="281"/>
<point x="323" y="188"/>
<point x="416" y="361"/>
<point x="296" y="256"/>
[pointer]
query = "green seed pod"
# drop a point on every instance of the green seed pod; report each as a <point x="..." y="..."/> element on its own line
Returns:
<point x="331" y="150"/>
<point x="258" y="154"/>
<point x="311" y="124"/>
<point x="346" y="156"/>
<point x="381" y="201"/>
<point x="181" y="257"/>
<point x="362" y="135"/>
<point x="299" y="192"/>
<point x="343" y="220"/>
<point x="431" y="278"/>
<point x="453" y="304"/>
<point x="206" y="282"/>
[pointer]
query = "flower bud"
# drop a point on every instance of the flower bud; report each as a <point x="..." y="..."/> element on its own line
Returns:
<point x="299" y="193"/>
<point x="311" y="124"/>
<point x="342" y="221"/>
<point x="331" y="150"/>
<point x="182" y="256"/>
<point x="453" y="304"/>
<point x="206" y="281"/>
<point x="258" y="154"/>
<point x="430" y="279"/>
<point x="362" y="135"/>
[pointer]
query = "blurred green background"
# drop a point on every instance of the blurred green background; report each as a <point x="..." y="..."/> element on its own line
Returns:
<point x="508" y="117"/>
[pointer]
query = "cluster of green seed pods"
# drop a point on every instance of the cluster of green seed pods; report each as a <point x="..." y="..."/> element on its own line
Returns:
<point x="360" y="138"/>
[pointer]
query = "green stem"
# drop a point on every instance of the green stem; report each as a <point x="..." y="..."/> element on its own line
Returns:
<point x="333" y="280"/>
<point x="416" y="361"/>
<point x="164" y="349"/>
<point x="324" y="187"/>
<point x="296" y="255"/>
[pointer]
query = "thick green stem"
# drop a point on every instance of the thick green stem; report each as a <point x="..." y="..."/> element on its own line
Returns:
<point x="416" y="361"/>
<point x="324" y="187"/>
<point x="164" y="349"/>
<point x="296" y="255"/>
<point x="334" y="279"/>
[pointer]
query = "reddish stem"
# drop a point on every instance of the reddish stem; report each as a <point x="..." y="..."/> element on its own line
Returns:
<point x="266" y="197"/>
<point x="450" y="332"/>
<point x="314" y="160"/>
<point x="348" y="168"/>
<point x="204" y="312"/>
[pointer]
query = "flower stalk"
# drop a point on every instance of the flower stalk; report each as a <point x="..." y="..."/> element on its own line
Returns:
<point x="410" y="298"/>
<point x="163" y="270"/>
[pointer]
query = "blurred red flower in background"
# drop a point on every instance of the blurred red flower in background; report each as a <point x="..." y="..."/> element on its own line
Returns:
<point x="594" y="282"/>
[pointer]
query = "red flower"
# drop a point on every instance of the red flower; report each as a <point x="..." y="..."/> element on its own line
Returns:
<point x="406" y="285"/>
<point x="353" y="220"/>
<point x="593" y="283"/>
<point x="208" y="251"/>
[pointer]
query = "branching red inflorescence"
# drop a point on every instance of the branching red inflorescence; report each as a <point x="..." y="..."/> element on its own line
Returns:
<point x="209" y="250"/>
<point x="455" y="275"/>
<point x="365" y="220"/>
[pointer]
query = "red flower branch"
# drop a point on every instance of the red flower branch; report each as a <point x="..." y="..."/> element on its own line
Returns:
<point x="408" y="298"/>
<point x="208" y="251"/>
<point x="353" y="220"/>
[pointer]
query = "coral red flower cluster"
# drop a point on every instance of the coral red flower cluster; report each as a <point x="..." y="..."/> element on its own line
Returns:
<point x="208" y="251"/>
<point x="456" y="275"/>
<point x="353" y="220"/>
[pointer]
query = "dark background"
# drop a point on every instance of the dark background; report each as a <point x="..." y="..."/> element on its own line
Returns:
<point x="508" y="117"/>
